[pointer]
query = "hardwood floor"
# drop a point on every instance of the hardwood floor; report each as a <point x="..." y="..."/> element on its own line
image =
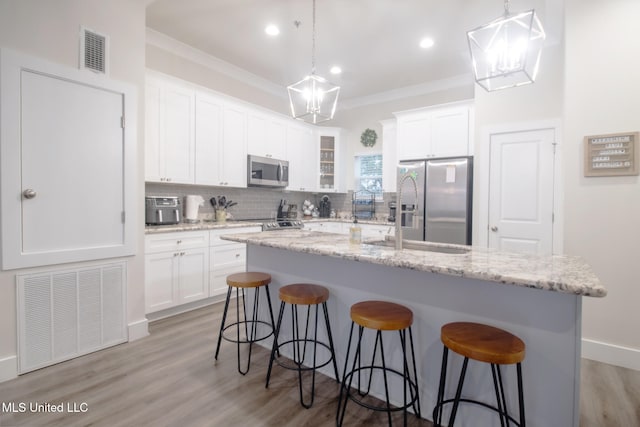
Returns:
<point x="171" y="379"/>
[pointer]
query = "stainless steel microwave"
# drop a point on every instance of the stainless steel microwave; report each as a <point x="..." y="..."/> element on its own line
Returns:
<point x="267" y="172"/>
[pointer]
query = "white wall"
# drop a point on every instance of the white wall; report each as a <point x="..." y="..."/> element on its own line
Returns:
<point x="50" y="30"/>
<point x="602" y="93"/>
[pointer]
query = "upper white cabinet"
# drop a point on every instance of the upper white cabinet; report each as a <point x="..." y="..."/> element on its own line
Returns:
<point x="389" y="155"/>
<point x="170" y="136"/>
<point x="208" y="139"/>
<point x="441" y="131"/>
<point x="331" y="163"/>
<point x="233" y="156"/>
<point x="302" y="151"/>
<point x="266" y="136"/>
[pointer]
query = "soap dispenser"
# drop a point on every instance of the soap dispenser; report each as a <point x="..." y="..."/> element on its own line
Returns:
<point x="355" y="233"/>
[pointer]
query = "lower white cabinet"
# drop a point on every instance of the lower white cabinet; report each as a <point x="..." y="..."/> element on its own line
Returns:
<point x="176" y="269"/>
<point x="226" y="257"/>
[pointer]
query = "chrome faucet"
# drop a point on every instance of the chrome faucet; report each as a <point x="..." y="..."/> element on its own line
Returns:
<point x="407" y="175"/>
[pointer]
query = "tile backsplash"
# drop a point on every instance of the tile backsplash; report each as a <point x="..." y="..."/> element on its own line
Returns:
<point x="260" y="203"/>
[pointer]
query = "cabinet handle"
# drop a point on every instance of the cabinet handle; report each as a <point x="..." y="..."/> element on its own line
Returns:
<point x="182" y="253"/>
<point x="179" y="241"/>
<point x="494" y="228"/>
<point x="237" y="255"/>
<point x="176" y="254"/>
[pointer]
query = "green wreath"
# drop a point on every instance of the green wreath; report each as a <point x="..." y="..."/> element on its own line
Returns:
<point x="368" y="138"/>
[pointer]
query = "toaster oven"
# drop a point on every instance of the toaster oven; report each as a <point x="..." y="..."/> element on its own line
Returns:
<point x="162" y="210"/>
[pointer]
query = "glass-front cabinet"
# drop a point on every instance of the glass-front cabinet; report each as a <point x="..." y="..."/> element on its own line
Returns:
<point x="331" y="173"/>
<point x="327" y="162"/>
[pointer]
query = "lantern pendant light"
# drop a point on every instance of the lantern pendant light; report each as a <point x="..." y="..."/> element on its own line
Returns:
<point x="313" y="99"/>
<point x="506" y="52"/>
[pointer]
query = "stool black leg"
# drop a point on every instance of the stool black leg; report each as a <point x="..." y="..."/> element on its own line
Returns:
<point x="416" y="406"/>
<point x="437" y="411"/>
<point x="520" y="395"/>
<point x="384" y="375"/>
<point x="345" y="387"/>
<point x="499" y="395"/>
<point x="224" y="318"/>
<point x="333" y="354"/>
<point x="273" y="324"/>
<point x="456" y="400"/>
<point x="274" y="348"/>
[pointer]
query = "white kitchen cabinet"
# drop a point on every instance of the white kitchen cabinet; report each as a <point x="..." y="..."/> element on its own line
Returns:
<point x="302" y="152"/>
<point x="414" y="136"/>
<point x="266" y="136"/>
<point x="226" y="257"/>
<point x="176" y="269"/>
<point x="450" y="132"/>
<point x="440" y="131"/>
<point x="389" y="156"/>
<point x="233" y="155"/>
<point x="331" y="163"/>
<point x="208" y="139"/>
<point x="170" y="136"/>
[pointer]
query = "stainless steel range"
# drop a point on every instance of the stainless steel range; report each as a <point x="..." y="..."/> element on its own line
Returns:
<point x="282" y="224"/>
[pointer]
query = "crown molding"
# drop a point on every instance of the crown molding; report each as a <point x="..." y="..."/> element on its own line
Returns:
<point x="183" y="50"/>
<point x="408" y="91"/>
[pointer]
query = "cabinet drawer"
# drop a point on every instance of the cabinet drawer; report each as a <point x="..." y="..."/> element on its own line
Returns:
<point x="228" y="254"/>
<point x="173" y="241"/>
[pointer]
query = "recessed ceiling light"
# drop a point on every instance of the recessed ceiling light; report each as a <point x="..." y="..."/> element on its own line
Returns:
<point x="426" y="43"/>
<point x="335" y="70"/>
<point x="272" y="30"/>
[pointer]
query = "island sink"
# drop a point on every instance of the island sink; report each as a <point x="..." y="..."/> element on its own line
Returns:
<point x="417" y="245"/>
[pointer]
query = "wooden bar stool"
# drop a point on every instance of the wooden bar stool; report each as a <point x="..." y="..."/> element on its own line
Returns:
<point x="307" y="295"/>
<point x="242" y="281"/>
<point x="484" y="344"/>
<point x="380" y="316"/>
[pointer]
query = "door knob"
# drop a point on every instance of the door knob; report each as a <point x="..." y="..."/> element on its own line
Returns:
<point x="494" y="228"/>
<point x="29" y="193"/>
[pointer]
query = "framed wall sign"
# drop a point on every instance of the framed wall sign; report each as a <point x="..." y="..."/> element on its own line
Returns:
<point x="614" y="154"/>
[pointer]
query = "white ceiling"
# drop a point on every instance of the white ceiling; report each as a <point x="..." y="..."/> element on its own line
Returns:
<point x="375" y="42"/>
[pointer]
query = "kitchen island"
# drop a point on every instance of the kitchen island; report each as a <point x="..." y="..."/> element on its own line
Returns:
<point x="537" y="298"/>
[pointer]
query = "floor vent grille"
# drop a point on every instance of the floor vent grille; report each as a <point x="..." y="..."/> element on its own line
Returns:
<point x="65" y="314"/>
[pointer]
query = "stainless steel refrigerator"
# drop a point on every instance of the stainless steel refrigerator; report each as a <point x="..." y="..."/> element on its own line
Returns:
<point x="444" y="199"/>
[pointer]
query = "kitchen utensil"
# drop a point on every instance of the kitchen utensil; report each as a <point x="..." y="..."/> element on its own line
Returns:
<point x="213" y="202"/>
<point x="231" y="204"/>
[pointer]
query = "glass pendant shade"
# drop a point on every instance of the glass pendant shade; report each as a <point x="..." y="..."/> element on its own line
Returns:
<point x="506" y="52"/>
<point x="313" y="99"/>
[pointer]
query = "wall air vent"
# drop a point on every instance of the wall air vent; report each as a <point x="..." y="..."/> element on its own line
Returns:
<point x="93" y="51"/>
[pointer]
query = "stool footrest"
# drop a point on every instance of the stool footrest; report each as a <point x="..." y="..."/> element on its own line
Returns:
<point x="248" y="323"/>
<point x="351" y="396"/>
<point x="475" y="402"/>
<point x="295" y="366"/>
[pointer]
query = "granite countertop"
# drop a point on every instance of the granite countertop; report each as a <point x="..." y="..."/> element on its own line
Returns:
<point x="215" y="225"/>
<point x="558" y="273"/>
<point x="202" y="225"/>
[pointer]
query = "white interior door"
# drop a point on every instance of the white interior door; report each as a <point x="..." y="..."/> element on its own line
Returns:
<point x="72" y="159"/>
<point x="521" y="182"/>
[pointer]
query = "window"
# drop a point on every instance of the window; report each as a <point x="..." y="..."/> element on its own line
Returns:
<point x="368" y="174"/>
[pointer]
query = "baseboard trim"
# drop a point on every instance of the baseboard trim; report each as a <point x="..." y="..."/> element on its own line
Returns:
<point x="8" y="368"/>
<point x="139" y="329"/>
<point x="612" y="354"/>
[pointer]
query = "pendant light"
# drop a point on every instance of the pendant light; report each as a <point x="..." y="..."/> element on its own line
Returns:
<point x="506" y="52"/>
<point x="313" y="99"/>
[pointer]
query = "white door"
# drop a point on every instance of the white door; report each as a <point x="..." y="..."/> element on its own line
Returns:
<point x="72" y="162"/>
<point x="521" y="191"/>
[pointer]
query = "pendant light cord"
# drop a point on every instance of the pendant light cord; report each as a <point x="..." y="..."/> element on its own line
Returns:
<point x="506" y="7"/>
<point x="313" y="40"/>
